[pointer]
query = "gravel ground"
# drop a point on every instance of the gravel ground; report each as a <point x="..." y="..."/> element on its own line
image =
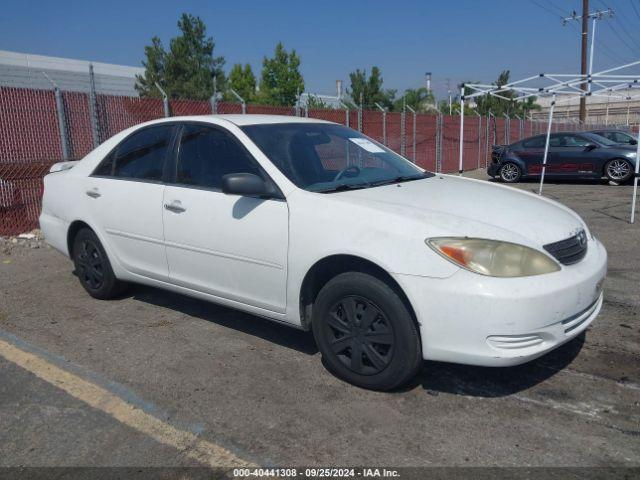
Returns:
<point x="260" y="390"/>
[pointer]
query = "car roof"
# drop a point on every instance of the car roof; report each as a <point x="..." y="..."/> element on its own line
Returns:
<point x="241" y="119"/>
<point x="621" y="130"/>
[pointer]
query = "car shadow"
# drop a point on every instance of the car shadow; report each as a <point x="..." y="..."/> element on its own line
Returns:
<point x="270" y="331"/>
<point x="434" y="377"/>
<point x="491" y="382"/>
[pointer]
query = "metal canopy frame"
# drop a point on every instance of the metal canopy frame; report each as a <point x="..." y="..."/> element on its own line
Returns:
<point x="599" y="84"/>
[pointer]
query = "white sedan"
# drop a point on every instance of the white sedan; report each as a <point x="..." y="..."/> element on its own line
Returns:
<point x="316" y="226"/>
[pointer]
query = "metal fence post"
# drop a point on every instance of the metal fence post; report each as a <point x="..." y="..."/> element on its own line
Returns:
<point x="403" y="140"/>
<point x="214" y="103"/>
<point x="296" y="107"/>
<point x="93" y="108"/>
<point x="62" y="122"/>
<point x="439" y="122"/>
<point x="507" y="129"/>
<point x="165" y="101"/>
<point x="486" y="142"/>
<point x="214" y="98"/>
<point x="479" y="135"/>
<point x="413" y="140"/>
<point x="384" y="123"/>
<point x="241" y="100"/>
<point x="346" y="113"/>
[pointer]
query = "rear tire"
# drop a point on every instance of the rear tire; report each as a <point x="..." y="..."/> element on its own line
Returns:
<point x="510" y="173"/>
<point x="618" y="170"/>
<point x="365" y="332"/>
<point x="93" y="267"/>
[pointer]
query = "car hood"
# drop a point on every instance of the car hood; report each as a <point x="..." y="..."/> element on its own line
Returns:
<point x="445" y="205"/>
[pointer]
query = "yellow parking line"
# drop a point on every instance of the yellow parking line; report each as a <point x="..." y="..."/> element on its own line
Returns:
<point x="191" y="445"/>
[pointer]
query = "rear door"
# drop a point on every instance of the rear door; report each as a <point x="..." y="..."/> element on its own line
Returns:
<point x="531" y="152"/>
<point x="231" y="246"/>
<point x="125" y="197"/>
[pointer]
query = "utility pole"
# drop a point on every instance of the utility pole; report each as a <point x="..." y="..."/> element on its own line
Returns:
<point x="583" y="57"/>
<point x="587" y="68"/>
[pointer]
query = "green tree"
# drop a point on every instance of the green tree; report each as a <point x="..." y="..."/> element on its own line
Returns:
<point x="281" y="81"/>
<point x="420" y="99"/>
<point x="369" y="91"/>
<point x="243" y="81"/>
<point x="154" y="69"/>
<point x="509" y="105"/>
<point x="188" y="68"/>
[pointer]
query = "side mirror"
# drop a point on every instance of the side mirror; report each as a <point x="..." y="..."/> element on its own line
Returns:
<point x="248" y="185"/>
<point x="591" y="146"/>
<point x="633" y="141"/>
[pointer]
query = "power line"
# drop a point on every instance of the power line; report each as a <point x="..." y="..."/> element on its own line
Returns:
<point x="622" y="19"/>
<point x="552" y="5"/>
<point x="635" y="9"/>
<point x="617" y="34"/>
<point x="545" y="8"/>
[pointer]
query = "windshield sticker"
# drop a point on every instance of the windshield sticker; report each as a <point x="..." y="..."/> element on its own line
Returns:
<point x="368" y="145"/>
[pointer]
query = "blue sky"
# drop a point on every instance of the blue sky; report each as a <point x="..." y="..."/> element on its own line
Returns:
<point x="460" y="40"/>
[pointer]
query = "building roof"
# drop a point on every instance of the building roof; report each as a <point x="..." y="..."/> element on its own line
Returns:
<point x="24" y="70"/>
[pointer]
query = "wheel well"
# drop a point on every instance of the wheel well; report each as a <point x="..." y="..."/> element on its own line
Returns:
<point x="328" y="268"/>
<point x="74" y="228"/>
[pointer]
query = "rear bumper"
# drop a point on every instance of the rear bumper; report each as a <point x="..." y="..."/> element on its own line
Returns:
<point x="478" y="320"/>
<point x="55" y="232"/>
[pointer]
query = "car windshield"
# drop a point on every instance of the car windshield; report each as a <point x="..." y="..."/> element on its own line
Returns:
<point x="600" y="139"/>
<point x="327" y="157"/>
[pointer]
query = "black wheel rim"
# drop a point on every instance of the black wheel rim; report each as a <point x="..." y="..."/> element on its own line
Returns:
<point x="90" y="265"/>
<point x="360" y="335"/>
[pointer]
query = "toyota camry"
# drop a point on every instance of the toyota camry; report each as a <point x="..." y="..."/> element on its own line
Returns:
<point x="314" y="225"/>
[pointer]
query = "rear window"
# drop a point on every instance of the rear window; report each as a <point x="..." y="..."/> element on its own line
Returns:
<point x="535" y="142"/>
<point x="140" y="156"/>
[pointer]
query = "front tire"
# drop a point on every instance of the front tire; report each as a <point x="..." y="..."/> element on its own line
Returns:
<point x="365" y="332"/>
<point x="618" y="170"/>
<point x="510" y="173"/>
<point x="93" y="268"/>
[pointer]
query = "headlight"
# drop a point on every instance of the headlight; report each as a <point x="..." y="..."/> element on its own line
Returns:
<point x="492" y="257"/>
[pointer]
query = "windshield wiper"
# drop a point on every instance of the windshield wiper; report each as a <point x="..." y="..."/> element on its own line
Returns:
<point x="344" y="186"/>
<point x="398" y="179"/>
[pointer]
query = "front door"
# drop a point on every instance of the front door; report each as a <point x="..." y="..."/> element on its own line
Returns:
<point x="230" y="246"/>
<point x="575" y="156"/>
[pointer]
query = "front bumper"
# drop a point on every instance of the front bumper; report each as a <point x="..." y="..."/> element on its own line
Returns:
<point x="479" y="320"/>
<point x="493" y="169"/>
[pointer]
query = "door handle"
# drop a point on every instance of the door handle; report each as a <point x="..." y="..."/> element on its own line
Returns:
<point x="93" y="193"/>
<point x="175" y="207"/>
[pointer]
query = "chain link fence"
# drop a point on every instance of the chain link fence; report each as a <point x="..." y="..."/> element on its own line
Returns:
<point x="41" y="126"/>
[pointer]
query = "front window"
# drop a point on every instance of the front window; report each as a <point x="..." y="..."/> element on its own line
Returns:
<point x="206" y="154"/>
<point x="328" y="158"/>
<point x="600" y="139"/>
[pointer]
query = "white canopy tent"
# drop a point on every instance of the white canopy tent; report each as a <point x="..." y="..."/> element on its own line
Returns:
<point x="604" y="83"/>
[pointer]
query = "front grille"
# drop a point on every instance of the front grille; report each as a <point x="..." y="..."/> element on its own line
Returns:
<point x="570" y="250"/>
